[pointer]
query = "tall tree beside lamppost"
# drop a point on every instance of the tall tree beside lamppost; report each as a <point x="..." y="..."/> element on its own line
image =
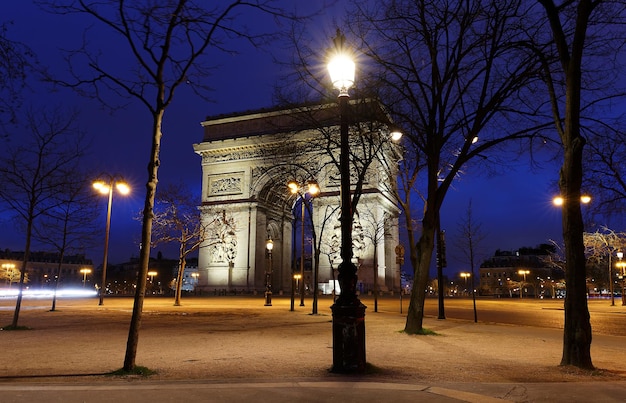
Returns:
<point x="449" y="82"/>
<point x="167" y="42"/>
<point x="572" y="28"/>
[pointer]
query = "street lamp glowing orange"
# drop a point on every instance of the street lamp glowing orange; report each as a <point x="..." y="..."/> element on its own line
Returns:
<point x="559" y="200"/>
<point x="84" y="272"/>
<point x="106" y="187"/>
<point x="312" y="188"/>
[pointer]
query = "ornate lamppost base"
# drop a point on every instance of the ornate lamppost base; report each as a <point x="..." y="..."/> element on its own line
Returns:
<point x="268" y="298"/>
<point x="349" y="338"/>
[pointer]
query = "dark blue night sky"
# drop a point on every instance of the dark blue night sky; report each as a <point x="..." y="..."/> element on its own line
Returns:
<point x="514" y="208"/>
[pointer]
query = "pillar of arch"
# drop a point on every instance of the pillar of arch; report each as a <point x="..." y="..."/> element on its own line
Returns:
<point x="247" y="160"/>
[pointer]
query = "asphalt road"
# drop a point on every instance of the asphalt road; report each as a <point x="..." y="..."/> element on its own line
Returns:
<point x="547" y="313"/>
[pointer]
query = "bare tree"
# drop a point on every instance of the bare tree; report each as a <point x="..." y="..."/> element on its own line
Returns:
<point x="374" y="233"/>
<point x="454" y="78"/>
<point x="12" y="275"/>
<point x="15" y="62"/>
<point x="470" y="236"/>
<point x="574" y="26"/>
<point x="33" y="174"/>
<point x="68" y="225"/>
<point x="600" y="247"/>
<point x="166" y="42"/>
<point x="177" y="219"/>
<point x="604" y="174"/>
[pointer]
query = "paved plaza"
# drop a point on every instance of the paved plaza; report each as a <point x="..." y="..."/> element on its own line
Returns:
<point x="233" y="348"/>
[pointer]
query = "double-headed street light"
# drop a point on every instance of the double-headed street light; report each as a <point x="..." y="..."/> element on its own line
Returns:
<point x="84" y="272"/>
<point x="559" y="200"/>
<point x="312" y="188"/>
<point x="105" y="186"/>
<point x="465" y="276"/>
<point x="522" y="273"/>
<point x="348" y="311"/>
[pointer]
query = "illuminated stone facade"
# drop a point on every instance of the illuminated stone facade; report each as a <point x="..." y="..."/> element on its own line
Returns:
<point x="247" y="160"/>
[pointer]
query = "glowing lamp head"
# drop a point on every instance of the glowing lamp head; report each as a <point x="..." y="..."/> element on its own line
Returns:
<point x="293" y="187"/>
<point x="101" y="187"/>
<point x="122" y="187"/>
<point x="341" y="70"/>
<point x="396" y="135"/>
<point x="270" y="244"/>
<point x="340" y="66"/>
<point x="313" y="188"/>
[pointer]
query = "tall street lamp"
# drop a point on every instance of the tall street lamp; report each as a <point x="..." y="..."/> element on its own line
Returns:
<point x="268" y="273"/>
<point x="85" y="272"/>
<point x="348" y="311"/>
<point x="466" y="276"/>
<point x="621" y="265"/>
<point x="105" y="186"/>
<point x="522" y="273"/>
<point x="313" y="189"/>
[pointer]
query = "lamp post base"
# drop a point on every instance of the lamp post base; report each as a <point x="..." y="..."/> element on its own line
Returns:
<point x="268" y="298"/>
<point x="349" y="338"/>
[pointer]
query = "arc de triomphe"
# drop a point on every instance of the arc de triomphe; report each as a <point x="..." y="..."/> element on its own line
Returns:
<point x="247" y="161"/>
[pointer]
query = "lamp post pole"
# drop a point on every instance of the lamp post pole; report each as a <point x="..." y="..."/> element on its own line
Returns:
<point x="348" y="311"/>
<point x="620" y="255"/>
<point x="107" y="188"/>
<point x="521" y="288"/>
<point x="312" y="188"/>
<point x="85" y="272"/>
<point x="302" y="201"/>
<point x="268" y="273"/>
<point x="102" y="289"/>
<point x="611" y="278"/>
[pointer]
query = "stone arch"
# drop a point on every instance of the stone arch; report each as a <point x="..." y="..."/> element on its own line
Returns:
<point x="247" y="161"/>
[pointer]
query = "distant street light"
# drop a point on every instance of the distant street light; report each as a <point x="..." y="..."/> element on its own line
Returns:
<point x="152" y="274"/>
<point x="313" y="189"/>
<point x="621" y="265"/>
<point x="523" y="273"/>
<point x="106" y="187"/>
<point x="466" y="276"/>
<point x="268" y="273"/>
<point x="85" y="272"/>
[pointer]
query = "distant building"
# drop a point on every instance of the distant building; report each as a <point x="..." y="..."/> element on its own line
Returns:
<point x="529" y="271"/>
<point x="122" y="277"/>
<point x="43" y="268"/>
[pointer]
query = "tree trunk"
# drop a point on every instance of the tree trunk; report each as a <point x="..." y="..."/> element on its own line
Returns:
<point x="144" y="255"/>
<point x="179" y="276"/>
<point x="424" y="251"/>
<point x="577" y="329"/>
<point x="18" y="302"/>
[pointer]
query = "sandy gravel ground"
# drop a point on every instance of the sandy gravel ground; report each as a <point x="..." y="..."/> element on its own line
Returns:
<point x="228" y="338"/>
